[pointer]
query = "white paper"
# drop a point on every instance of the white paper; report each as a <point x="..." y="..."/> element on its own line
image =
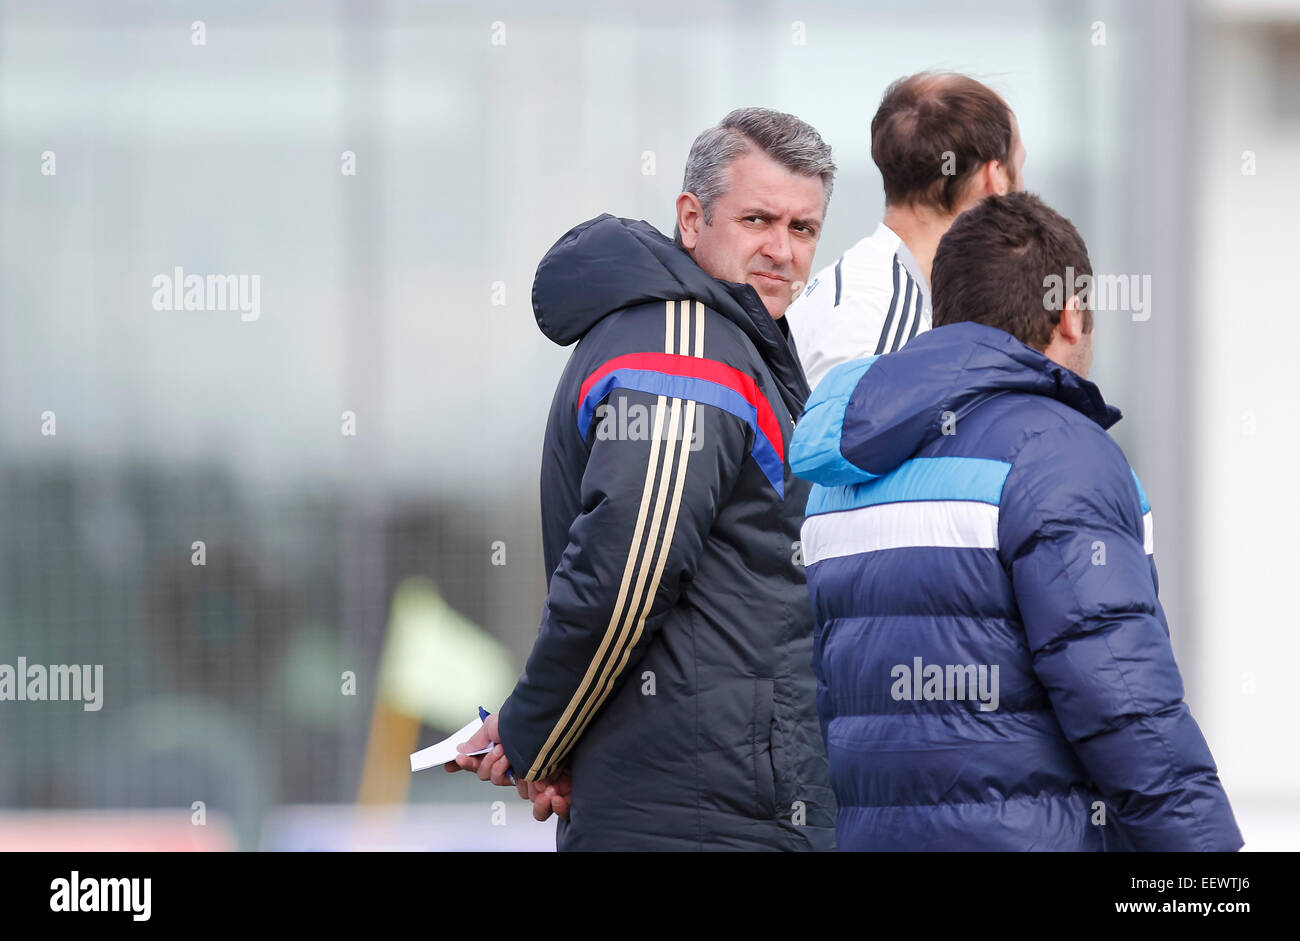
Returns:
<point x="445" y="750"/>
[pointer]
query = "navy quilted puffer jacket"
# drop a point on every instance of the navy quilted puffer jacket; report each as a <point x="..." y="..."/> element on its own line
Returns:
<point x="994" y="666"/>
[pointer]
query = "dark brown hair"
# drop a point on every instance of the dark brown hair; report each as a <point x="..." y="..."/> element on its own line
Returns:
<point x="934" y="122"/>
<point x="995" y="264"/>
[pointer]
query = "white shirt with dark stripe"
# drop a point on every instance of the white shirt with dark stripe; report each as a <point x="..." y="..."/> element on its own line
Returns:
<point x="872" y="300"/>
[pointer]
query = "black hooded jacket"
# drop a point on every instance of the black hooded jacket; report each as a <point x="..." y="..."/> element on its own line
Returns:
<point x="672" y="672"/>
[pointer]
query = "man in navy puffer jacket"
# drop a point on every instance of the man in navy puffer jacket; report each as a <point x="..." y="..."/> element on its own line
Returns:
<point x="994" y="666"/>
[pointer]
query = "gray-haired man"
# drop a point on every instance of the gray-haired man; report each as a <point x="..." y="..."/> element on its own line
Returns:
<point x="668" y="703"/>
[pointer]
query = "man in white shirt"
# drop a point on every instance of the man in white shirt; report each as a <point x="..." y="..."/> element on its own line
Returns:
<point x="942" y="142"/>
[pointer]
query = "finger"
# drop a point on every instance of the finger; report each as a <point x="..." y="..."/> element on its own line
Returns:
<point x="542" y="806"/>
<point x="499" y="769"/>
<point x="560" y="803"/>
<point x="485" y="765"/>
<point x="482" y="738"/>
<point x="493" y="767"/>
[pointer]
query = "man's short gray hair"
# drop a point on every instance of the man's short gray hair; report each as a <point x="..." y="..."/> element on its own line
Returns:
<point x="789" y="141"/>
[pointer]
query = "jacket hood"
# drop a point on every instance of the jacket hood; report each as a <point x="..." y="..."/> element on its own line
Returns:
<point x="608" y="263"/>
<point x="870" y="415"/>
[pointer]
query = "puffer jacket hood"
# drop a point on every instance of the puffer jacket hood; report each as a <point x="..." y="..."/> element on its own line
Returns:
<point x="608" y="264"/>
<point x="899" y="404"/>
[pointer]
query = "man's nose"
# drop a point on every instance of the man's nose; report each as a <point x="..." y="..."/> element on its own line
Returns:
<point x="778" y="248"/>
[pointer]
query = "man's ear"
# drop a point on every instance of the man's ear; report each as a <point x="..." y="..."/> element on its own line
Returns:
<point x="1070" y="326"/>
<point x="997" y="182"/>
<point x="1063" y="345"/>
<point x="690" y="216"/>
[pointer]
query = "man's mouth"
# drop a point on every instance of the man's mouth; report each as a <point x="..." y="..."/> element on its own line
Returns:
<point x="770" y="278"/>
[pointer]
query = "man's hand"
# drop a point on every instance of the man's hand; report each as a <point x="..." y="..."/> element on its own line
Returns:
<point x="552" y="795"/>
<point x="490" y="767"/>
